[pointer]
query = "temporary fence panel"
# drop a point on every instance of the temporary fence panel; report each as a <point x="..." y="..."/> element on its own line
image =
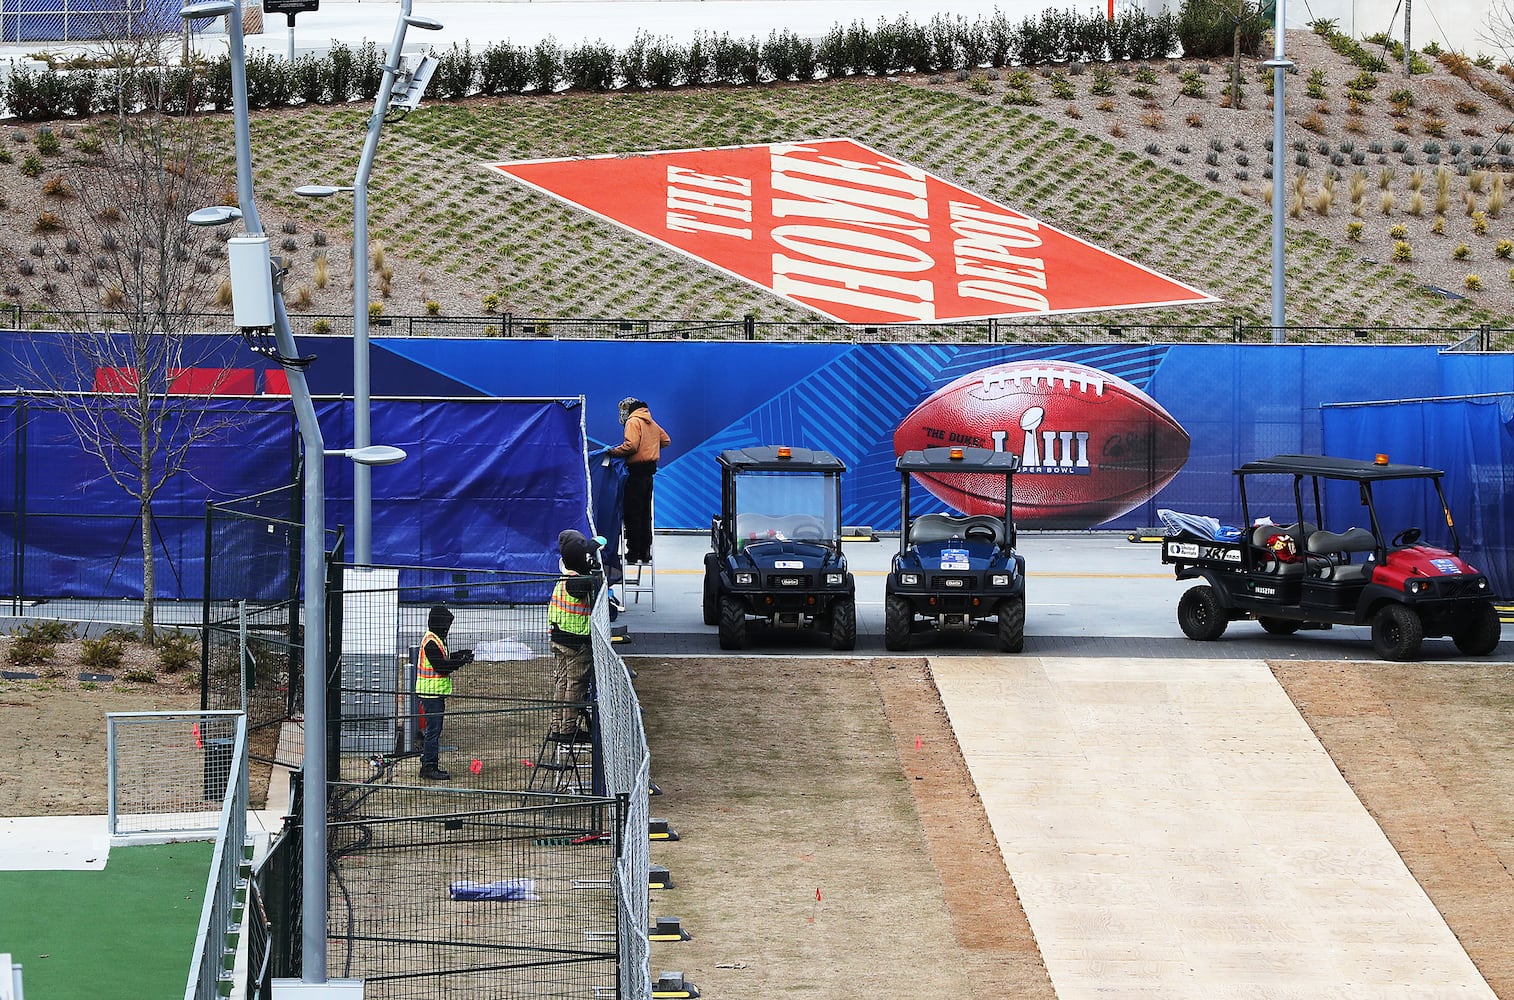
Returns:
<point x="449" y="892"/>
<point x="77" y="20"/>
<point x="627" y="776"/>
<point x="168" y="771"/>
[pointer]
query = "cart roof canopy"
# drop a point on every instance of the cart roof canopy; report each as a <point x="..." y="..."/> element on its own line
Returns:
<point x="1353" y="469"/>
<point x="972" y="460"/>
<point x="767" y="459"/>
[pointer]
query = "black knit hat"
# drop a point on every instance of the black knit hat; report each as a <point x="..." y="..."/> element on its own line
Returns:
<point x="439" y="620"/>
<point x="576" y="551"/>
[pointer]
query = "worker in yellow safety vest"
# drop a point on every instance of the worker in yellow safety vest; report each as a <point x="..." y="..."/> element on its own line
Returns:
<point x="572" y="649"/>
<point x="433" y="683"/>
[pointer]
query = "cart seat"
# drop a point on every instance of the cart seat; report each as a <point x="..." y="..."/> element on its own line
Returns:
<point x="1297" y="532"/>
<point x="942" y="527"/>
<point x="1350" y="540"/>
<point x="1323" y="544"/>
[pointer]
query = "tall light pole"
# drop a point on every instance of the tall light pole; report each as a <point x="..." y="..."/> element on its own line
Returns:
<point x="1280" y="66"/>
<point x="410" y="92"/>
<point x="313" y="858"/>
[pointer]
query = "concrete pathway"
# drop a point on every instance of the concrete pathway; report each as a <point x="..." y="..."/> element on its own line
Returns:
<point x="1175" y="830"/>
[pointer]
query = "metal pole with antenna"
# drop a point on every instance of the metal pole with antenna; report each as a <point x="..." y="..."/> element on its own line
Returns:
<point x="314" y="889"/>
<point x="1280" y="66"/>
<point x="362" y="487"/>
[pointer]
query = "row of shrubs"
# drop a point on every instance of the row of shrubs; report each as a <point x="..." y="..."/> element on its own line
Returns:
<point x="345" y="73"/>
<point x="35" y="644"/>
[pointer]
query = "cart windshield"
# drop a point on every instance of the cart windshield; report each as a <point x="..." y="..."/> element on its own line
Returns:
<point x="788" y="506"/>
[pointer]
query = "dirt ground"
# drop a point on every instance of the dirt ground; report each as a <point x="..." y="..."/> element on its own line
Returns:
<point x="52" y="729"/>
<point x="831" y="844"/>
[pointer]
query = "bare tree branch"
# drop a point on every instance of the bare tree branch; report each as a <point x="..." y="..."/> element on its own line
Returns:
<point x="1499" y="27"/>
<point x="131" y="273"/>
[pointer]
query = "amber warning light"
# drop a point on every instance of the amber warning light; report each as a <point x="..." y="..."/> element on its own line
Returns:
<point x="784" y="451"/>
<point x="1381" y="459"/>
<point x="956" y="454"/>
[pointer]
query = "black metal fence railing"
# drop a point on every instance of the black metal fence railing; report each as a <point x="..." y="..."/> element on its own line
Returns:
<point x="273" y="911"/>
<point x="252" y="649"/>
<point x="451" y="892"/>
<point x="996" y="330"/>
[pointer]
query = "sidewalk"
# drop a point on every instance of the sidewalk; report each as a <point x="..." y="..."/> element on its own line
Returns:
<point x="1175" y="830"/>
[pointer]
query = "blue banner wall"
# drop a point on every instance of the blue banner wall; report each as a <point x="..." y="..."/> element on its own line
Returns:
<point x="1235" y="403"/>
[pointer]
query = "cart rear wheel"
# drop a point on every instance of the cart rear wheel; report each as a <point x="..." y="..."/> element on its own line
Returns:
<point x="711" y="595"/>
<point x="732" y="623"/>
<point x="1200" y="615"/>
<point x="843" y="624"/>
<point x="1477" y="634"/>
<point x="898" y="623"/>
<point x="1397" y="632"/>
<point x="1011" y="613"/>
<point x="1279" y="626"/>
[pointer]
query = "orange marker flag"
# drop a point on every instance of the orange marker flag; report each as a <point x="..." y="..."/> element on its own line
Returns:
<point x="817" y="894"/>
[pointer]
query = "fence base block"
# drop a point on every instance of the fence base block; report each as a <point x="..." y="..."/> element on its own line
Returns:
<point x="659" y="829"/>
<point x="659" y="877"/>
<point x="672" y="985"/>
<point x="668" y="929"/>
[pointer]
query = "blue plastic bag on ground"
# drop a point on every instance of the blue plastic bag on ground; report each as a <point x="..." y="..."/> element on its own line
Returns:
<point x="506" y="890"/>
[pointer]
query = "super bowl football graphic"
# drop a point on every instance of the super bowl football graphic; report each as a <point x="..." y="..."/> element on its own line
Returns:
<point x="1091" y="445"/>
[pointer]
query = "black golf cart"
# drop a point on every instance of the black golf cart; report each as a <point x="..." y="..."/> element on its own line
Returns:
<point x="953" y="573"/>
<point x="776" y="547"/>
<point x="1299" y="576"/>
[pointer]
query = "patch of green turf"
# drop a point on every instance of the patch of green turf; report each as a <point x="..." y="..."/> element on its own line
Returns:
<point x="125" y="933"/>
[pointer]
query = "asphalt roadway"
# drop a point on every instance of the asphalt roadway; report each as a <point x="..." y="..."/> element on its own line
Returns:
<point x="1088" y="594"/>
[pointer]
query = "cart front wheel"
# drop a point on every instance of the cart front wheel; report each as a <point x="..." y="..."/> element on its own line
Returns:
<point x="732" y="624"/>
<point x="1011" y="613"/>
<point x="843" y="624"/>
<point x="898" y="623"/>
<point x="1397" y="632"/>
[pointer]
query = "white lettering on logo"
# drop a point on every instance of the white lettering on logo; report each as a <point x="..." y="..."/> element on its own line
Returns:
<point x="694" y="197"/>
<point x="865" y="222"/>
<point x="983" y="257"/>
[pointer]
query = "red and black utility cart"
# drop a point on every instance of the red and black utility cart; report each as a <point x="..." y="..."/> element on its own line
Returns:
<point x="1337" y="562"/>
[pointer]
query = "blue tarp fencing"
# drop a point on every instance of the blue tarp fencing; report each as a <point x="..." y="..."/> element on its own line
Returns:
<point x="486" y="484"/>
<point x="1236" y="402"/>
<point x="1472" y="439"/>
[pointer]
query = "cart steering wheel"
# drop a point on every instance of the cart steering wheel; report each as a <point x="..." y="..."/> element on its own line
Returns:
<point x="808" y="528"/>
<point x="980" y="533"/>
<point x="1406" y="537"/>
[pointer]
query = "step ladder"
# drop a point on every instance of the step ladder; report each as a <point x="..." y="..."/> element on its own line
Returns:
<point x="561" y="767"/>
<point x="637" y="579"/>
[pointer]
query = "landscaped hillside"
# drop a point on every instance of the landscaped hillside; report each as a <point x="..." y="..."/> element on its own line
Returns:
<point x="1395" y="191"/>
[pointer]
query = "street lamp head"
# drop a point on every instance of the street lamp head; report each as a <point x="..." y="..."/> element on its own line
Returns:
<point x="320" y="190"/>
<point x="373" y="454"/>
<point x="215" y="215"/>
<point x="208" y="9"/>
<point x="428" y="23"/>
